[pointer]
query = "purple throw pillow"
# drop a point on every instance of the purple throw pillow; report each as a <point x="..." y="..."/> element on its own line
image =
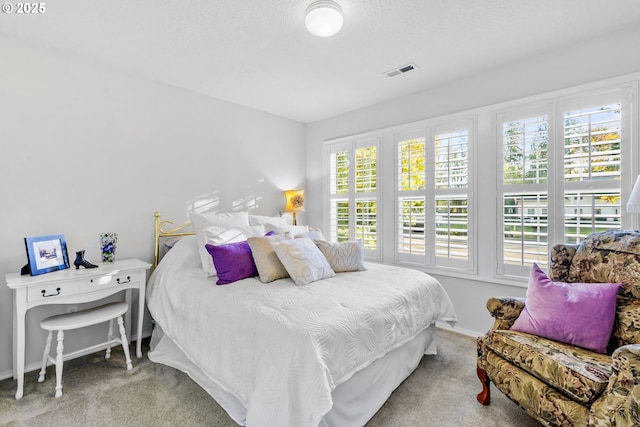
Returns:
<point x="233" y="261"/>
<point x="580" y="314"/>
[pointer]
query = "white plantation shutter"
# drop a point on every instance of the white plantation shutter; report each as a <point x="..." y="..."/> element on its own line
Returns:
<point x="524" y="159"/>
<point x="561" y="167"/>
<point x="592" y="143"/>
<point x="561" y="173"/>
<point x="366" y="214"/>
<point x="587" y="212"/>
<point x="592" y="165"/>
<point x="451" y="171"/>
<point x="339" y="194"/>
<point x="353" y="193"/>
<point x="411" y="178"/>
<point x="432" y="187"/>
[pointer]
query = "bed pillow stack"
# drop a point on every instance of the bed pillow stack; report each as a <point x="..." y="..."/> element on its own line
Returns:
<point x="235" y="246"/>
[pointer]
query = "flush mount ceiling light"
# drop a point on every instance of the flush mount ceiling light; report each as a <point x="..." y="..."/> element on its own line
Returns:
<point x="324" y="18"/>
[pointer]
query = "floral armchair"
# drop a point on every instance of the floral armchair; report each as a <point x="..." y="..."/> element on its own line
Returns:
<point x="561" y="384"/>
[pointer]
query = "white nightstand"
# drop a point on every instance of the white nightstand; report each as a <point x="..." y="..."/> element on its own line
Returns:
<point x="73" y="286"/>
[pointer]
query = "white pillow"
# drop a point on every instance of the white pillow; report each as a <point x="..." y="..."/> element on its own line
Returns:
<point x="200" y="221"/>
<point x="303" y="260"/>
<point x="313" y="234"/>
<point x="343" y="256"/>
<point x="184" y="252"/>
<point x="296" y="230"/>
<point x="263" y="220"/>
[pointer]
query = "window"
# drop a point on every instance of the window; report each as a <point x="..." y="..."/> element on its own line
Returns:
<point x="561" y="164"/>
<point x="339" y="210"/>
<point x="353" y="195"/>
<point x="432" y="177"/>
<point x="451" y="167"/>
<point x="411" y="197"/>
<point x="592" y="167"/>
<point x="525" y="140"/>
<point x="489" y="191"/>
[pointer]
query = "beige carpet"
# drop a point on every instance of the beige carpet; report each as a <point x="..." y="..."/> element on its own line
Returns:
<point x="98" y="392"/>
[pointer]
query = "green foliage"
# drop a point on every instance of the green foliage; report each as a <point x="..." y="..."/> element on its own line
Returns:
<point x="412" y="165"/>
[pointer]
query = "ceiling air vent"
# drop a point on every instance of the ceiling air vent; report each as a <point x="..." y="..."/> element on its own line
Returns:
<point x="401" y="70"/>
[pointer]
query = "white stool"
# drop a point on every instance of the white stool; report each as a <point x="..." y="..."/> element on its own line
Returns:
<point x="80" y="319"/>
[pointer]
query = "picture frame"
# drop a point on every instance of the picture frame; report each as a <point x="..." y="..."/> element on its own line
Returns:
<point x="46" y="253"/>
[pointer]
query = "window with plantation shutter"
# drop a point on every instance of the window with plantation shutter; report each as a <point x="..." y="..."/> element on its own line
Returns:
<point x="353" y="195"/>
<point x="525" y="140"/>
<point x="411" y="198"/>
<point x="339" y="191"/>
<point x="366" y="223"/>
<point x="433" y="207"/>
<point x="592" y="168"/>
<point x="488" y="192"/>
<point x="451" y="167"/>
<point x="561" y="173"/>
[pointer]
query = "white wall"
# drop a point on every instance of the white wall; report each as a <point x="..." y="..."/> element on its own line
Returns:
<point x="588" y="62"/>
<point x="85" y="149"/>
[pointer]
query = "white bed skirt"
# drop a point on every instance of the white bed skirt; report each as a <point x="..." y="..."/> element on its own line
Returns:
<point x="354" y="401"/>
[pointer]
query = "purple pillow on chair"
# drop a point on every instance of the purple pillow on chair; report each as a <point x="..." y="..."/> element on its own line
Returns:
<point x="580" y="314"/>
<point x="233" y="261"/>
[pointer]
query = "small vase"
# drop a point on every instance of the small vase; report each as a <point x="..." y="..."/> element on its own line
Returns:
<point x="108" y="246"/>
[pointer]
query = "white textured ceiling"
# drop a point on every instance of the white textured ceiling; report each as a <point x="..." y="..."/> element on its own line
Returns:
<point x="257" y="53"/>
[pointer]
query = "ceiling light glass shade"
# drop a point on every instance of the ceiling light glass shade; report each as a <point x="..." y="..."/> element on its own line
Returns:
<point x="324" y="18"/>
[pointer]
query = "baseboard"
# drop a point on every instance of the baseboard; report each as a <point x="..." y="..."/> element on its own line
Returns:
<point x="457" y="330"/>
<point x="85" y="351"/>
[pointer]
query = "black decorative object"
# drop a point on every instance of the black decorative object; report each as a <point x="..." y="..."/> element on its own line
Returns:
<point x="80" y="261"/>
<point x="46" y="254"/>
<point x="25" y="270"/>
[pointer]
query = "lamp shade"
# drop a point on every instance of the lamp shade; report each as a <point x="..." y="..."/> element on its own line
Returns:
<point x="633" y="204"/>
<point x="324" y="18"/>
<point x="294" y="200"/>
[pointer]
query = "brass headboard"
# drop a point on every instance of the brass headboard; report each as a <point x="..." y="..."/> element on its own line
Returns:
<point x="161" y="232"/>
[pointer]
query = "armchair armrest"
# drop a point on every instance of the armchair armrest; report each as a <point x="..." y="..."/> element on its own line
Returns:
<point x="627" y="359"/>
<point x="505" y="310"/>
<point x="560" y="261"/>
<point x="618" y="404"/>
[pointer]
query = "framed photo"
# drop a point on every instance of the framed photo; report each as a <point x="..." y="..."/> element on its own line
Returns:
<point x="47" y="253"/>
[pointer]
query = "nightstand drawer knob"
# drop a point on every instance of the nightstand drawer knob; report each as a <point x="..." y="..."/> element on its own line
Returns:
<point x="44" y="291"/>
<point x="122" y="283"/>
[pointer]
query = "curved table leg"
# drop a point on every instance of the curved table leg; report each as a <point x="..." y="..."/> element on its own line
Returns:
<point x="484" y="397"/>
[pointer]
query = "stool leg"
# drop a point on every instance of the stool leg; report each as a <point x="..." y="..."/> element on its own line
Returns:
<point x="59" y="364"/>
<point x="109" y="335"/>
<point x="125" y="343"/>
<point x="47" y="349"/>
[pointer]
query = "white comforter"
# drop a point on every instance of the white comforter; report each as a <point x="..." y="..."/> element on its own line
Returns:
<point x="281" y="349"/>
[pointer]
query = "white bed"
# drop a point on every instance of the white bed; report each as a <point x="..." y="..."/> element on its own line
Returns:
<point x="275" y="354"/>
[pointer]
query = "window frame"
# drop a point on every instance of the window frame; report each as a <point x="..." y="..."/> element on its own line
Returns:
<point x="352" y="196"/>
<point x="556" y="185"/>
<point x="431" y="193"/>
<point x="485" y="177"/>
